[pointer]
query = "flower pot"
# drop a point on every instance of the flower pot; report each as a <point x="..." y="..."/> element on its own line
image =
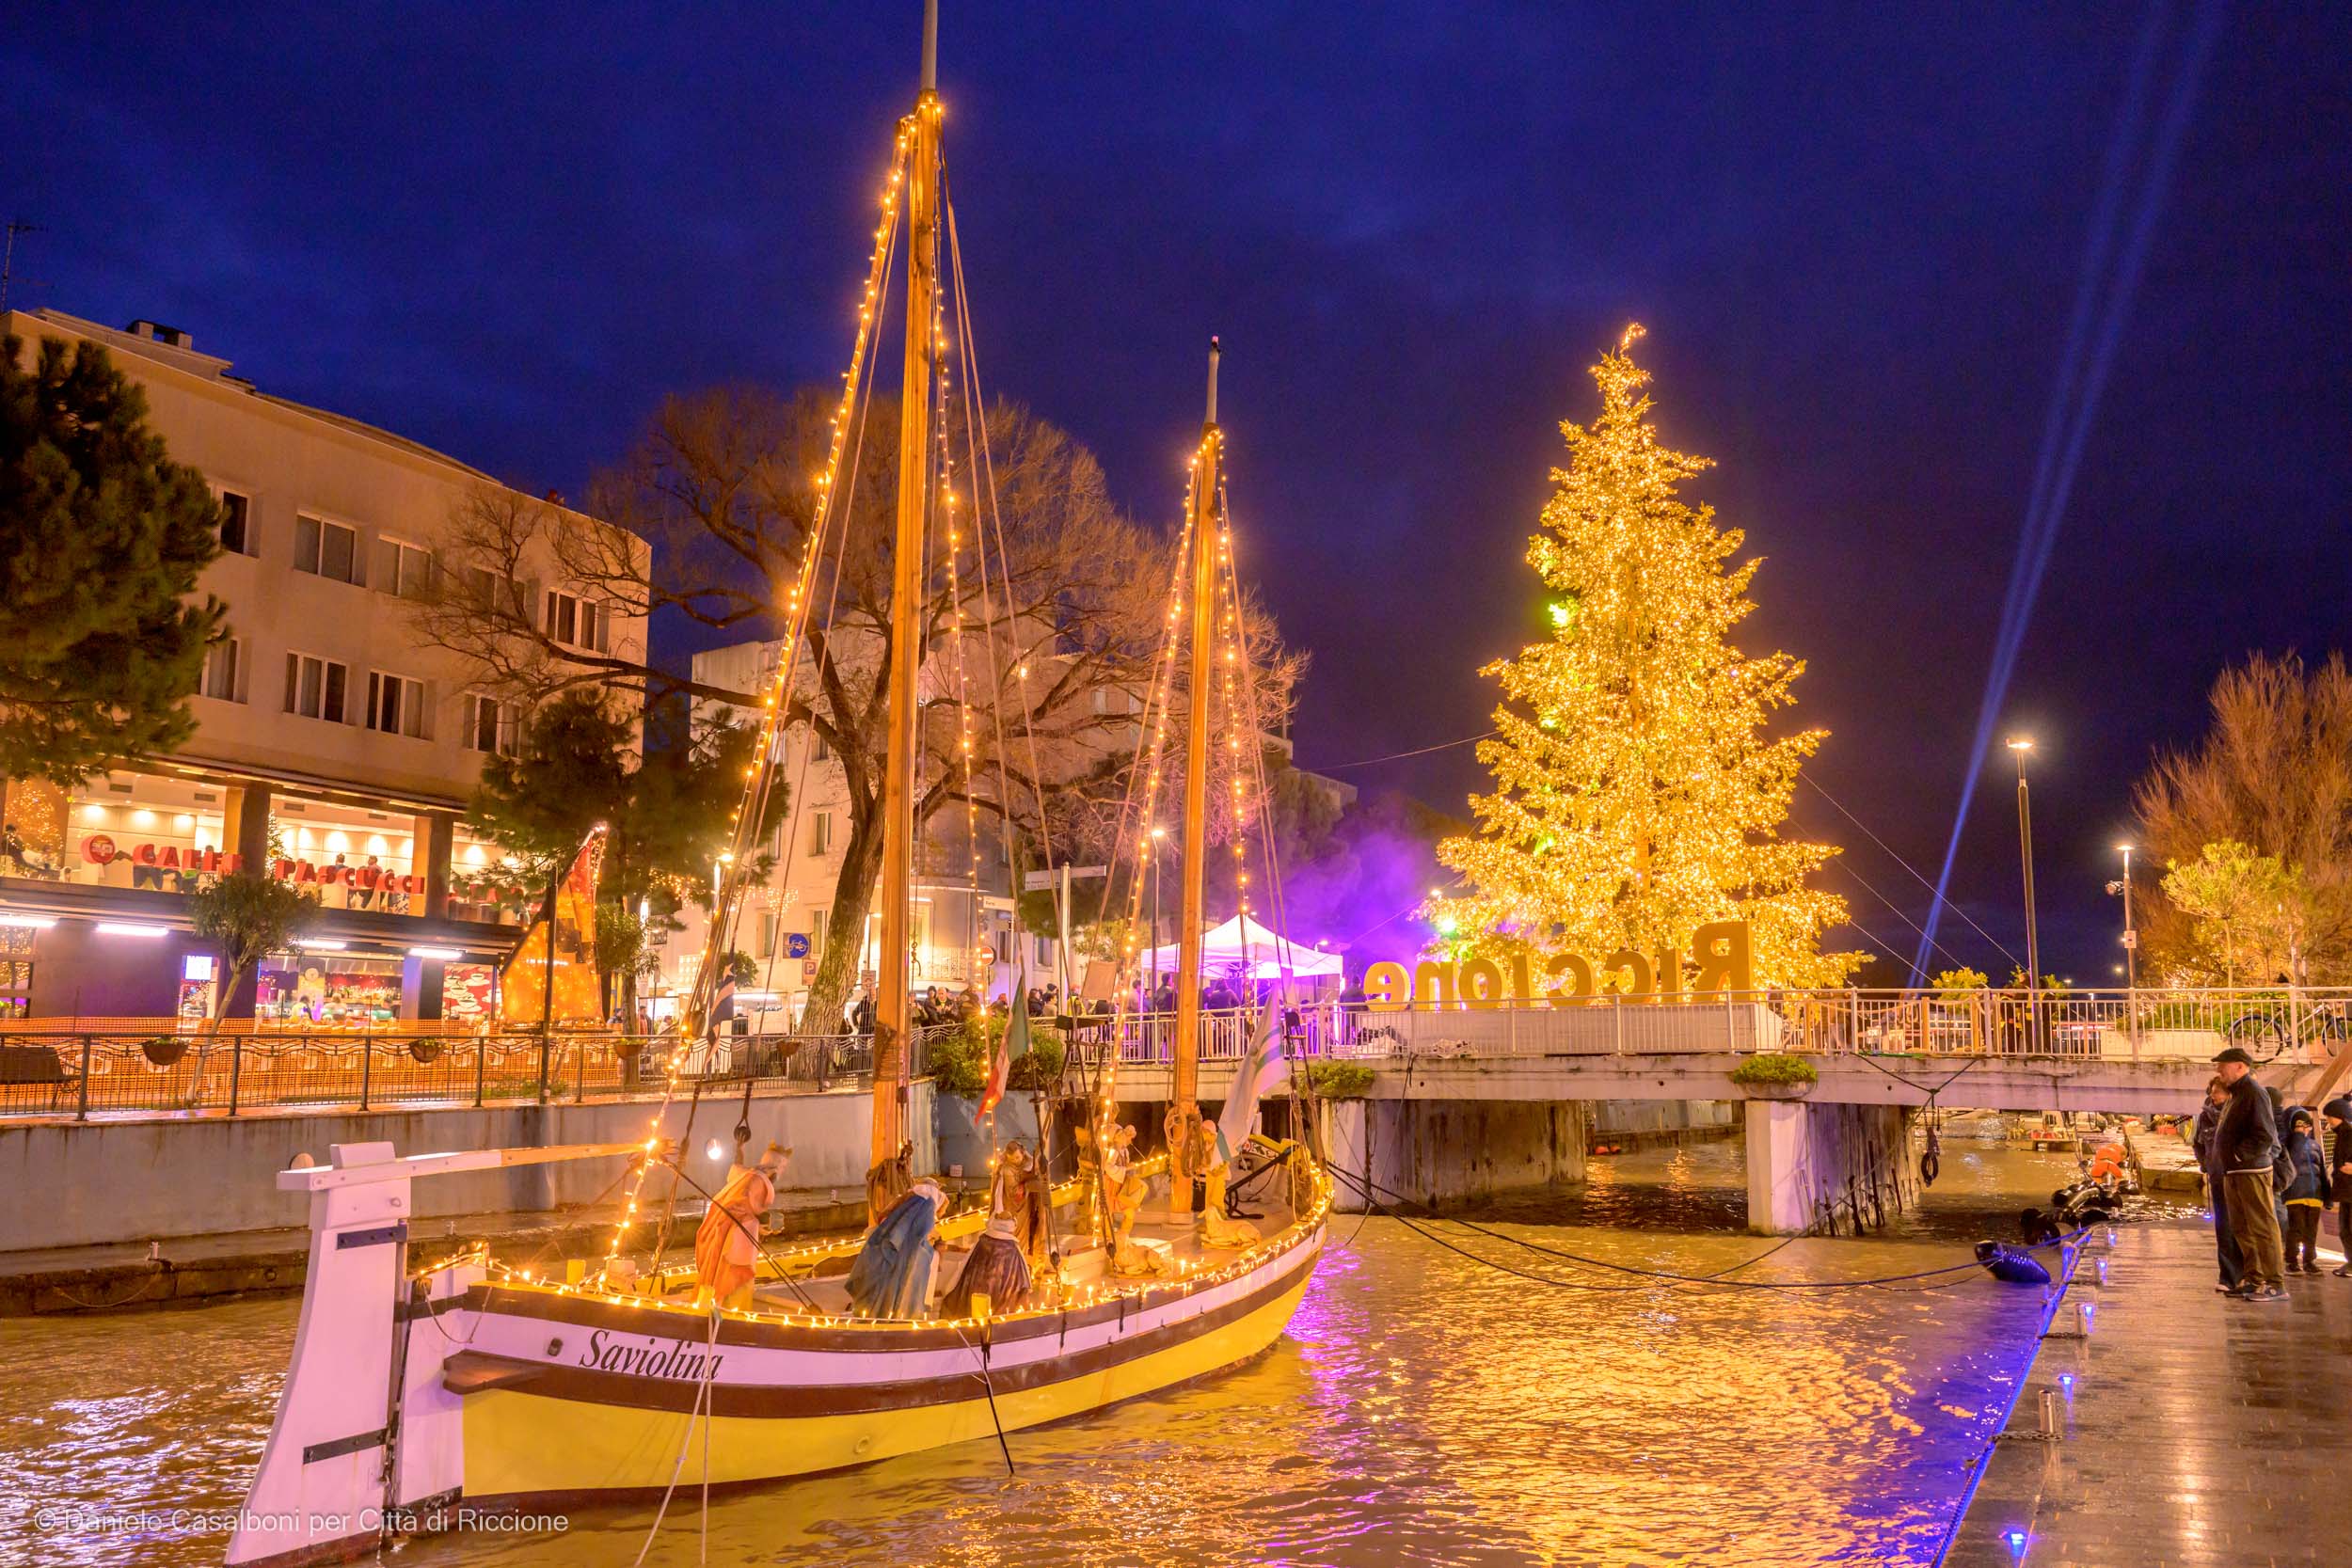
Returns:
<point x="164" y="1050"/>
<point x="425" y="1051"/>
<point x="1775" y="1091"/>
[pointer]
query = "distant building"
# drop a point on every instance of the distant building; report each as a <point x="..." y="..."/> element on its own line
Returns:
<point x="331" y="748"/>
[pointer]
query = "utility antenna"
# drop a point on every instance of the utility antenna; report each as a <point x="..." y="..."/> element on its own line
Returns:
<point x="7" y="257"/>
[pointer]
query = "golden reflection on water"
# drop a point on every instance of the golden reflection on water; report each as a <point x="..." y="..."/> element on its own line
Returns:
<point x="1423" y="1409"/>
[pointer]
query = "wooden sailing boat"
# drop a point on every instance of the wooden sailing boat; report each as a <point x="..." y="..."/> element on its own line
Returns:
<point x="417" y="1392"/>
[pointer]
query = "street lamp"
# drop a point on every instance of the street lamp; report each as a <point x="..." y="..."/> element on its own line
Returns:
<point x="2021" y="744"/>
<point x="2131" y="935"/>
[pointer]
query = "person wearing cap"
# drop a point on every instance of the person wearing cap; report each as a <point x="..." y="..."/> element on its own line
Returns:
<point x="2245" y="1141"/>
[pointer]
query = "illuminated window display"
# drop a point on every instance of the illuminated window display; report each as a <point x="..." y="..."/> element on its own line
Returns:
<point x="356" y="859"/>
<point x="304" y="989"/>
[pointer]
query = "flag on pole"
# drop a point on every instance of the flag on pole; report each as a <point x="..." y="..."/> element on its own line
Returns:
<point x="1014" y="1042"/>
<point x="722" y="1004"/>
<point x="1261" y="1069"/>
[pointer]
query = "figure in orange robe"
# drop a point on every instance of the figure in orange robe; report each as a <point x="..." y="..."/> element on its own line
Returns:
<point x="726" y="1243"/>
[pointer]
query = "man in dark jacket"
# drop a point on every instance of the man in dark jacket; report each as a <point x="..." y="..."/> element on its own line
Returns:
<point x="2201" y="1139"/>
<point x="2338" y="1115"/>
<point x="2245" y="1140"/>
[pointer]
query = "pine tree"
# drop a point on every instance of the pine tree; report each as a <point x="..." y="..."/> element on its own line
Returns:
<point x="1637" y="792"/>
<point x="101" y="540"/>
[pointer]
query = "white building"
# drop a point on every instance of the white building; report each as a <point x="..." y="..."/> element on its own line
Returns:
<point x="331" y="747"/>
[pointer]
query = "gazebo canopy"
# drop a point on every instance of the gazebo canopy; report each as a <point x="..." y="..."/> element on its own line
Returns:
<point x="1241" y="941"/>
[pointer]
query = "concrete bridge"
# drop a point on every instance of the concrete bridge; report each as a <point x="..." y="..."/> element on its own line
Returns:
<point x="1465" y="1103"/>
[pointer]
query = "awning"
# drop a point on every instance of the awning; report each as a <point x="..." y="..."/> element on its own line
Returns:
<point x="1241" y="941"/>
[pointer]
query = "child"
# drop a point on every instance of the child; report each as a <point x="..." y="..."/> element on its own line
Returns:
<point x="2306" y="1194"/>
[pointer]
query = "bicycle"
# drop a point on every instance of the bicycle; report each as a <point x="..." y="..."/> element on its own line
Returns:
<point x="2267" y="1035"/>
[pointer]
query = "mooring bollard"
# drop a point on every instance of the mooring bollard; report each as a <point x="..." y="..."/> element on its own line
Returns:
<point x="2053" y="1415"/>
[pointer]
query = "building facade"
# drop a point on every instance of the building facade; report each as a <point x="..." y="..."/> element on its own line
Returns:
<point x="333" y="749"/>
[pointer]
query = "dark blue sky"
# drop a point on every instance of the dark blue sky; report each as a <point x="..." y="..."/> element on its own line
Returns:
<point x="1854" y="232"/>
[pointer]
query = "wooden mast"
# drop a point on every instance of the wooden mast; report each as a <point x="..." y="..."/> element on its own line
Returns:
<point x="908" y="583"/>
<point x="1185" y="1111"/>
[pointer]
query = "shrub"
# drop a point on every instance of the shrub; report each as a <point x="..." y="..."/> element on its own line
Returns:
<point x="1339" y="1079"/>
<point x="1774" y="1066"/>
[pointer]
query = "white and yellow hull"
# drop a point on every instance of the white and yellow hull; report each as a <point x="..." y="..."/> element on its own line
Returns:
<point x="412" y="1393"/>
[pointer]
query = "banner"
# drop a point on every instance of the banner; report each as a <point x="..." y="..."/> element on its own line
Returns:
<point x="525" y="994"/>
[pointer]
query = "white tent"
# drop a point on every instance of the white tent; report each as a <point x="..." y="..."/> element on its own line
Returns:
<point x="1241" y="941"/>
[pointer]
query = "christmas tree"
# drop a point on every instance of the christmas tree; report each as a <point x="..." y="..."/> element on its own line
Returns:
<point x="1638" y="793"/>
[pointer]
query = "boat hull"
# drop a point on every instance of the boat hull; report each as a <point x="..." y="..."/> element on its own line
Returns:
<point x="526" y="1449"/>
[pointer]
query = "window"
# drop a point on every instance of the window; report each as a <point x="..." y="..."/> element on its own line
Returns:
<point x="822" y="753"/>
<point x="819" y="831"/>
<point x="395" y="704"/>
<point x="767" y="942"/>
<point x="222" y="666"/>
<point x="488" y="724"/>
<point x="327" y="549"/>
<point x="402" y="569"/>
<point x="578" y="622"/>
<point x="236" y="523"/>
<point x="816" y="921"/>
<point x="315" y="688"/>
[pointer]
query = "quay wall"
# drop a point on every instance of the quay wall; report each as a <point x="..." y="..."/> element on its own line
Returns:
<point x="85" y="1184"/>
<point x="1447" y="1152"/>
<point x="1639" y="1123"/>
<point x="1833" y="1167"/>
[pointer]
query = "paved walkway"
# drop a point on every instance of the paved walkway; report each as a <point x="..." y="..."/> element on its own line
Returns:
<point x="2198" y="1433"/>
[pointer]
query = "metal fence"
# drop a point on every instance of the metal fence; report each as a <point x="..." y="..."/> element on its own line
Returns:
<point x="2301" y="1025"/>
<point x="86" y="1073"/>
<point x="50" y="1069"/>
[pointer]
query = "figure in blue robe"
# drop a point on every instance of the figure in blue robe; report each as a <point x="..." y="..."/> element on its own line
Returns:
<point x="892" y="1276"/>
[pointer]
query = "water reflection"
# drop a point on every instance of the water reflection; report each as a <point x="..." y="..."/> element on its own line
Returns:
<point x="1423" y="1409"/>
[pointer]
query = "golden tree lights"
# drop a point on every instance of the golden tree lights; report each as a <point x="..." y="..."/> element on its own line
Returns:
<point x="1637" y="794"/>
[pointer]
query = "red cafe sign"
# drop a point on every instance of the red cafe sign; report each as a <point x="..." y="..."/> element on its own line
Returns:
<point x="101" y="851"/>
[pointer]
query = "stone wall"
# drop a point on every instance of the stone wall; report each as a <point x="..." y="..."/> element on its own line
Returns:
<point x="73" y="1184"/>
<point x="1446" y="1153"/>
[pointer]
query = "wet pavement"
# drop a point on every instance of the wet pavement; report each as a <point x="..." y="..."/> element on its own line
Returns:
<point x="2196" y="1431"/>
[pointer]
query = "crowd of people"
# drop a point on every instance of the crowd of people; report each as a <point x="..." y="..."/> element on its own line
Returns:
<point x="2273" y="1170"/>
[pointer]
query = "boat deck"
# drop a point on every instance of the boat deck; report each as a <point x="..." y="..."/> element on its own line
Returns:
<point x="1175" y="1237"/>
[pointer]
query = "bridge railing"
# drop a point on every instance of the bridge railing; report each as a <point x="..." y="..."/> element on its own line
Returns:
<point x="2299" y="1024"/>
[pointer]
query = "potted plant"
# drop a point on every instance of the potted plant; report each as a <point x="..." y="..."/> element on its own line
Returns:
<point x="1775" y="1075"/>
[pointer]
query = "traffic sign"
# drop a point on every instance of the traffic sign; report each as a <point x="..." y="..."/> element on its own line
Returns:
<point x="1038" y="881"/>
<point x="796" y="944"/>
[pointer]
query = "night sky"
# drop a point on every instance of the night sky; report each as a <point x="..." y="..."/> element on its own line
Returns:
<point x="1855" y="236"/>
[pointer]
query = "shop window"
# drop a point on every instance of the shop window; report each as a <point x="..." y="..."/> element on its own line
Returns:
<point x="327" y="991"/>
<point x="317" y="688"/>
<point x="224" y="669"/>
<point x="236" y="523"/>
<point x="488" y="725"/>
<point x="327" y="549"/>
<point x="395" y="704"/>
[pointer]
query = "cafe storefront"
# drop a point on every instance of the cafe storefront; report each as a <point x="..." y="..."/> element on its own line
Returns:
<point x="93" y="879"/>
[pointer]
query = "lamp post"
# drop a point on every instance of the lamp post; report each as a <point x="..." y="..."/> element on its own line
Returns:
<point x="2022" y="744"/>
<point x="2131" y="934"/>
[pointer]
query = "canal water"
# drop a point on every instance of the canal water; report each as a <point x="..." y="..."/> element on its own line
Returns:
<point x="1425" y="1407"/>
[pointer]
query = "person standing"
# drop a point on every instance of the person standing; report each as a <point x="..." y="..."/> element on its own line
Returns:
<point x="2306" y="1194"/>
<point x="2337" y="1113"/>
<point x="2245" y="1141"/>
<point x="2202" y="1140"/>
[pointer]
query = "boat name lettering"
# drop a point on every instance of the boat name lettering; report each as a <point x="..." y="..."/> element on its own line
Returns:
<point x="677" y="1359"/>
